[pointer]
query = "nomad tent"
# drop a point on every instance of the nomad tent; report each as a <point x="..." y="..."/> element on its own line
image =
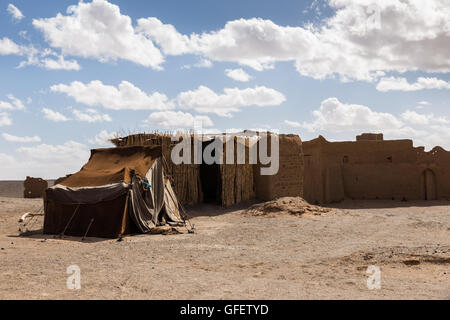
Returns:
<point x="119" y="191"/>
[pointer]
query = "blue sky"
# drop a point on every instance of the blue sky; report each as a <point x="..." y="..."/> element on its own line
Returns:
<point x="71" y="78"/>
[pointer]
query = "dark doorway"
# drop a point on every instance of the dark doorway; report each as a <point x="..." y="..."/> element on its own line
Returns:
<point x="210" y="179"/>
<point x="429" y="186"/>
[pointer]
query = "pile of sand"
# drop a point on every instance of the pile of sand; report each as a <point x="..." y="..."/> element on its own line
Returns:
<point x="289" y="205"/>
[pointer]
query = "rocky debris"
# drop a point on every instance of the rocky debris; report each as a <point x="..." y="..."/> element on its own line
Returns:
<point x="289" y="205"/>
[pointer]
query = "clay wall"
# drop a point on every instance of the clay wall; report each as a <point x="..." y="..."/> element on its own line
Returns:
<point x="34" y="187"/>
<point x="289" y="179"/>
<point x="373" y="169"/>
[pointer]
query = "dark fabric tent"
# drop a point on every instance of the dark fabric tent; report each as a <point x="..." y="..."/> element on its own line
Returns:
<point x="119" y="191"/>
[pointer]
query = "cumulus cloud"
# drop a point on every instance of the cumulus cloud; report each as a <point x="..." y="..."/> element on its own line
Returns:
<point x="13" y="103"/>
<point x="55" y="152"/>
<point x="238" y="75"/>
<point x="172" y="119"/>
<point x="7" y="46"/>
<point x="293" y="124"/>
<point x="103" y="138"/>
<point x="47" y="59"/>
<point x="54" y="116"/>
<point x="15" y="12"/>
<point x="124" y="97"/>
<point x="203" y="63"/>
<point x="401" y="84"/>
<point x="12" y="138"/>
<point x="204" y="100"/>
<point x="60" y="64"/>
<point x="5" y="119"/>
<point x="334" y="116"/>
<point x="360" y="41"/>
<point x="414" y="117"/>
<point x="90" y="115"/>
<point x="98" y="30"/>
<point x="34" y="161"/>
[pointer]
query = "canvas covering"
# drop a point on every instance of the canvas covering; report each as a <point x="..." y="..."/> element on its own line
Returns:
<point x="119" y="191"/>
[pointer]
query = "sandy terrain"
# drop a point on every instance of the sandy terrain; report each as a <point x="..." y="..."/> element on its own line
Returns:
<point x="234" y="255"/>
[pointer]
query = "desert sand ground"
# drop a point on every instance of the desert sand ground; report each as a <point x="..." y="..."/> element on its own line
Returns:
<point x="234" y="255"/>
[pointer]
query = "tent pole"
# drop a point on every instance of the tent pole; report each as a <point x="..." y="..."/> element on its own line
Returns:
<point x="124" y="217"/>
<point x="89" y="227"/>
<point x="70" y="220"/>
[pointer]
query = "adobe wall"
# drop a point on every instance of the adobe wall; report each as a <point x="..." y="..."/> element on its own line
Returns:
<point x="34" y="187"/>
<point x="289" y="179"/>
<point x="372" y="169"/>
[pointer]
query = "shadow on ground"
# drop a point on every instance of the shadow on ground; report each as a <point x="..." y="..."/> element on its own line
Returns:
<point x="380" y="204"/>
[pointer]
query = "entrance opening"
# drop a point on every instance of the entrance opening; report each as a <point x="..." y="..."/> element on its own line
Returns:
<point x="429" y="185"/>
<point x="210" y="180"/>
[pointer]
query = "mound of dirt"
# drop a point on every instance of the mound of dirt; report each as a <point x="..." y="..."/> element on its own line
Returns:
<point x="289" y="205"/>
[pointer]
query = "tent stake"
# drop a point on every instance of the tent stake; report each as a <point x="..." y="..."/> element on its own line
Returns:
<point x="89" y="227"/>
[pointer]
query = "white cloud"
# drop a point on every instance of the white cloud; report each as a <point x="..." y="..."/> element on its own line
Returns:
<point x="204" y="100"/>
<point x="203" y="63"/>
<point x="60" y="64"/>
<point x="7" y="46"/>
<point x="422" y="105"/>
<point x="5" y="119"/>
<point x="35" y="57"/>
<point x="415" y="118"/>
<point x="165" y="35"/>
<point x="401" y="84"/>
<point x="238" y="75"/>
<point x="44" y="160"/>
<point x="12" y="138"/>
<point x="125" y="97"/>
<point x="90" y="115"/>
<point x="98" y="30"/>
<point x="422" y="119"/>
<point x="103" y="137"/>
<point x="54" y="115"/>
<point x="362" y="40"/>
<point x="334" y="117"/>
<point x="47" y="59"/>
<point x="13" y="104"/>
<point x="171" y="119"/>
<point x="14" y="12"/>
<point x="55" y="152"/>
<point x="293" y="124"/>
